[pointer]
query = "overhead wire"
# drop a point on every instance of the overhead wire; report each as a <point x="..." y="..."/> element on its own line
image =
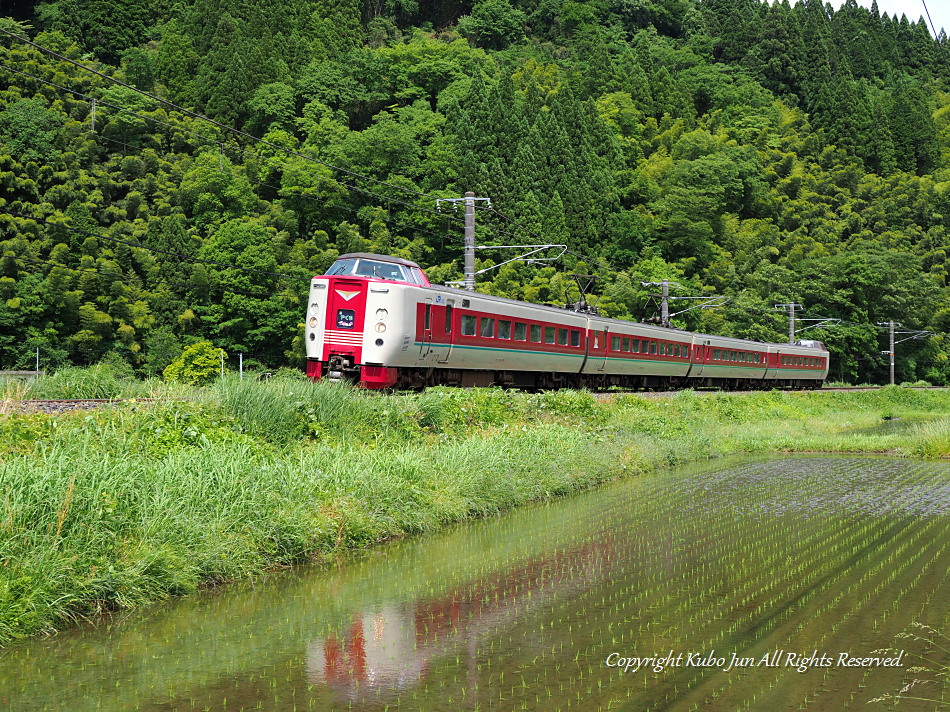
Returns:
<point x="217" y="142"/>
<point x="389" y="200"/>
<point x="196" y="115"/>
<point x="124" y="278"/>
<point x="169" y="253"/>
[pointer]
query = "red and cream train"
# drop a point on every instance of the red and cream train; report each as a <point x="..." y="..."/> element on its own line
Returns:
<point x="377" y="321"/>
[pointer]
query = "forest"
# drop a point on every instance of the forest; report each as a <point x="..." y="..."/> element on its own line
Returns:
<point x="176" y="172"/>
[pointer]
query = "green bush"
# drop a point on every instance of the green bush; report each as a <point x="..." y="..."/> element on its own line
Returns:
<point x="199" y="364"/>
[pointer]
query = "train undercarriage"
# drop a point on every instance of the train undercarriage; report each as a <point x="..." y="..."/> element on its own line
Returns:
<point x="419" y="378"/>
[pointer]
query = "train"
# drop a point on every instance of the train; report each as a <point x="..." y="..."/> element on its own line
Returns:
<point x="375" y="320"/>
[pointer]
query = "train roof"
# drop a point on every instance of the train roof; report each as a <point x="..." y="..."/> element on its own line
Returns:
<point x="379" y="258"/>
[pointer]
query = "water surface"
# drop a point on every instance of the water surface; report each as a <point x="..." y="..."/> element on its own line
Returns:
<point x="759" y="559"/>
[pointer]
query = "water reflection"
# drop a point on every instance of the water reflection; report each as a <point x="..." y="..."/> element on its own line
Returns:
<point x="521" y="611"/>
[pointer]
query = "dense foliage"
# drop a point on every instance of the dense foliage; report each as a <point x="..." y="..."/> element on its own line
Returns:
<point x="765" y="152"/>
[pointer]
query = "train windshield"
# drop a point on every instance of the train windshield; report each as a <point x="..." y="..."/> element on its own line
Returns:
<point x="360" y="267"/>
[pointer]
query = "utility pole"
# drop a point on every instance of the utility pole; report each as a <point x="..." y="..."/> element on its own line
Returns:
<point x="791" y="318"/>
<point x="892" y="351"/>
<point x="665" y="303"/>
<point x="664" y="285"/>
<point x="914" y="334"/>
<point x="469" y="282"/>
<point x="469" y="200"/>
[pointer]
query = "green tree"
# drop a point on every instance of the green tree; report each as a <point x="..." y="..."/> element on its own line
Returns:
<point x="198" y="365"/>
<point x="493" y="24"/>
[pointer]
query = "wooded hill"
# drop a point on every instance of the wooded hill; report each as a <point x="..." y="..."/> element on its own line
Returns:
<point x="768" y="153"/>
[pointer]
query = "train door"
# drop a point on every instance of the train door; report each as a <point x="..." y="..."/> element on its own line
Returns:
<point x="425" y="341"/>
<point x="346" y="316"/>
<point x="602" y="345"/>
<point x="701" y="355"/>
<point x="772" y="360"/>
<point x="448" y="335"/>
<point x="436" y="330"/>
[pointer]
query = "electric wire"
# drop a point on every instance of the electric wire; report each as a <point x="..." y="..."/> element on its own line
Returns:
<point x="222" y="147"/>
<point x="125" y="277"/>
<point x="169" y="253"/>
<point x="195" y="115"/>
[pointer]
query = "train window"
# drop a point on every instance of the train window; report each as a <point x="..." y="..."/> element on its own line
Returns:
<point x="742" y="356"/>
<point x="652" y="347"/>
<point x="644" y="346"/>
<point x="677" y="350"/>
<point x="468" y="325"/>
<point x="562" y="337"/>
<point x="381" y="270"/>
<point x="448" y="318"/>
<point x="536" y="333"/>
<point x="427" y="319"/>
<point x="636" y="346"/>
<point x="615" y="343"/>
<point x="549" y="334"/>
<point x="716" y="354"/>
<point x="783" y="360"/>
<point x="575" y="338"/>
<point x="341" y="267"/>
<point x="686" y="352"/>
<point x="521" y="331"/>
<point x="504" y="329"/>
<point x="487" y="327"/>
<point x="625" y="344"/>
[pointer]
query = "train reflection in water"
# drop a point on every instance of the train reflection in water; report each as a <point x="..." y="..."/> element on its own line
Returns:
<point x="393" y="648"/>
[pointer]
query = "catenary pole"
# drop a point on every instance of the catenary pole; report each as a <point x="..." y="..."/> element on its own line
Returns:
<point x="469" y="281"/>
<point x="892" y="351"/>
<point x="469" y="200"/>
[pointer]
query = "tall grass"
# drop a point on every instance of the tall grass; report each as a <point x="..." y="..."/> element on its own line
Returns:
<point x="120" y="506"/>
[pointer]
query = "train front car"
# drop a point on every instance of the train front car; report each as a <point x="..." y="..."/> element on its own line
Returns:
<point x="352" y="329"/>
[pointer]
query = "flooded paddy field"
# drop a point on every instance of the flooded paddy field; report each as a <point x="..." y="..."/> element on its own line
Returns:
<point x="778" y="584"/>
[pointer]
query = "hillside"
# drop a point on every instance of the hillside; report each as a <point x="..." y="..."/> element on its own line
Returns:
<point x="768" y="153"/>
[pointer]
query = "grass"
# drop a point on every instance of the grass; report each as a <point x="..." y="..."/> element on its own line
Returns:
<point x="130" y="504"/>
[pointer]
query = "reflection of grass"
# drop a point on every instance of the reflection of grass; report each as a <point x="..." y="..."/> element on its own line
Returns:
<point x="931" y="677"/>
<point x="122" y="506"/>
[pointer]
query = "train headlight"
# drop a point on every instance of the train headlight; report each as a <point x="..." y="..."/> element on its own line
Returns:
<point x="313" y="322"/>
<point x="314" y="307"/>
<point x="313" y="337"/>
<point x="381" y="314"/>
<point x="380" y="328"/>
<point x="379" y="342"/>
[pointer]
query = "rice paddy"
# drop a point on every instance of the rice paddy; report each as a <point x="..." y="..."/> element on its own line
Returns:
<point x="801" y="583"/>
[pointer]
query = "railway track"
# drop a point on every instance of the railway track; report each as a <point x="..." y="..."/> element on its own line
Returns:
<point x="68" y="404"/>
<point x="65" y="404"/>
